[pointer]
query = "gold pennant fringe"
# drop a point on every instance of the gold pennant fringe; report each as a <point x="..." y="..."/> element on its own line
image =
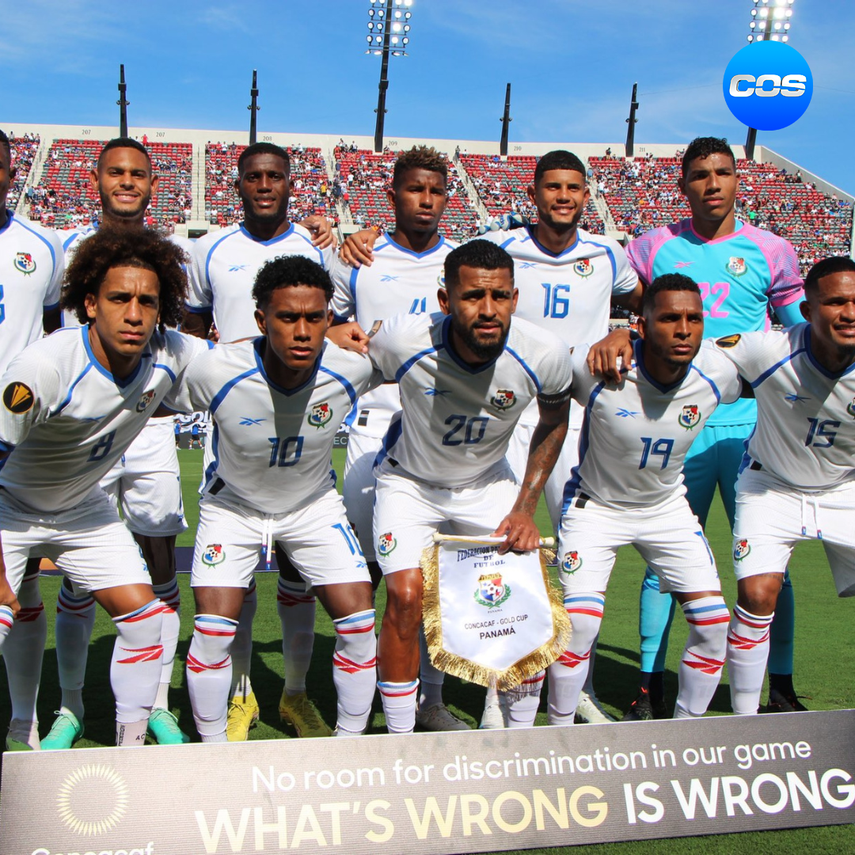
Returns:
<point x="466" y="669"/>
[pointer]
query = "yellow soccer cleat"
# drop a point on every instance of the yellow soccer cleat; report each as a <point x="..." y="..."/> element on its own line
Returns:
<point x="300" y="712"/>
<point x="243" y="714"/>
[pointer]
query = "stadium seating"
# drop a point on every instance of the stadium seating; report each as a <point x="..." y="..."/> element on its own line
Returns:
<point x="24" y="151"/>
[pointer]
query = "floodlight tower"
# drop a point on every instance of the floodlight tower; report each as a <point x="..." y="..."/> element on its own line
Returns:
<point x="388" y="35"/>
<point x="123" y="103"/>
<point x="770" y="21"/>
<point x="253" y="108"/>
<point x="506" y="121"/>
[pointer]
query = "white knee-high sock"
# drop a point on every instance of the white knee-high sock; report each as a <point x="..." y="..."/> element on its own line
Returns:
<point x="703" y="656"/>
<point x="209" y="674"/>
<point x="399" y="705"/>
<point x="170" y="595"/>
<point x="522" y="702"/>
<point x="296" y="610"/>
<point x="135" y="670"/>
<point x="75" y="619"/>
<point x="242" y="644"/>
<point x="747" y="652"/>
<point x="568" y="674"/>
<point x="355" y="669"/>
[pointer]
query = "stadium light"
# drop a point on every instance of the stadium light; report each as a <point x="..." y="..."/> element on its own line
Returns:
<point x="388" y="35"/>
<point x="123" y="103"/>
<point x="770" y="21"/>
<point x="253" y="108"/>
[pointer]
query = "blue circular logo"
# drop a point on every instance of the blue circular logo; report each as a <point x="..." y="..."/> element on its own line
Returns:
<point x="768" y="85"/>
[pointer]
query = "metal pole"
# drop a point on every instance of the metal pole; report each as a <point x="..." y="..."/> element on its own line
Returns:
<point x="123" y="103"/>
<point x="506" y="120"/>
<point x="253" y="107"/>
<point x="750" y="142"/>
<point x="631" y="121"/>
<point x="384" y="80"/>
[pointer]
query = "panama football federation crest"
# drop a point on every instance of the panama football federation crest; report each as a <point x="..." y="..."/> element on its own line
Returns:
<point x="572" y="562"/>
<point x="737" y="266"/>
<point x="25" y="263"/>
<point x="214" y="554"/>
<point x="145" y="400"/>
<point x="690" y="415"/>
<point x="728" y="340"/>
<point x="850" y="408"/>
<point x="386" y="543"/>
<point x="583" y="267"/>
<point x="504" y="399"/>
<point x="320" y="415"/>
<point x="18" y="398"/>
<point x="740" y="549"/>
<point x="492" y="591"/>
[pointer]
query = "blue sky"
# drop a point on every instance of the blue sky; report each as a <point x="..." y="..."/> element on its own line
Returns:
<point x="572" y="64"/>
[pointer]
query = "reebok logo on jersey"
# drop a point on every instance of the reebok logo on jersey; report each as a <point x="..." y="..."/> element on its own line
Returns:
<point x="728" y="340"/>
<point x="236" y="268"/>
<point x="246" y="421"/>
<point x="213" y="554"/>
<point x="504" y="399"/>
<point x="793" y="398"/>
<point x="145" y="400"/>
<point x="626" y="414"/>
<point x="18" y="398"/>
<point x="681" y="264"/>
<point x="492" y="591"/>
<point x="740" y="549"/>
<point x="387" y="277"/>
<point x="320" y="415"/>
<point x="527" y="265"/>
<point x="437" y="393"/>
<point x="572" y="562"/>
<point x="737" y="266"/>
<point x="583" y="267"/>
<point x="25" y="262"/>
<point x="689" y="416"/>
<point x="386" y="543"/>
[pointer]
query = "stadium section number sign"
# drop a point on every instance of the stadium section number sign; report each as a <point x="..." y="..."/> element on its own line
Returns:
<point x="455" y="792"/>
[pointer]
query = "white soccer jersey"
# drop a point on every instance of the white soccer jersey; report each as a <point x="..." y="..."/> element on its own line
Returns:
<point x="635" y="435"/>
<point x="399" y="281"/>
<point x="225" y="264"/>
<point x="66" y="420"/>
<point x="272" y="446"/>
<point x="457" y="419"/>
<point x="31" y="268"/>
<point x="805" y="434"/>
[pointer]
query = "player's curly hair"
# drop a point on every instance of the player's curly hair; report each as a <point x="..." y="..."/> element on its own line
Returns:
<point x="558" y="159"/>
<point x="826" y="267"/>
<point x="703" y="147"/>
<point x="419" y="157"/>
<point x="667" y="282"/>
<point x="289" y="271"/>
<point x="480" y="254"/>
<point x="144" y="248"/>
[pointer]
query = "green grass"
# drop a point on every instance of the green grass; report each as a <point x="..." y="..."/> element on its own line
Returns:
<point x="823" y="622"/>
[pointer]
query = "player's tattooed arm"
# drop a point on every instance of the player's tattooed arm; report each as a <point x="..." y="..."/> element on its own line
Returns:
<point x="358" y="248"/>
<point x="321" y="230"/>
<point x="518" y="527"/>
<point x="603" y="356"/>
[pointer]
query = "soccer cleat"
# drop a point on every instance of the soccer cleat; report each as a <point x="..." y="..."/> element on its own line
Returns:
<point x="64" y="732"/>
<point x="438" y="717"/>
<point x="780" y="702"/>
<point x="590" y="711"/>
<point x="643" y="709"/>
<point x="22" y="736"/>
<point x="164" y="730"/>
<point x="243" y="714"/>
<point x="493" y="718"/>
<point x="300" y="712"/>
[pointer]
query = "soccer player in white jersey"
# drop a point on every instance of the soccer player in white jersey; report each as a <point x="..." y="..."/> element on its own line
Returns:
<point x="465" y="376"/>
<point x="31" y="268"/>
<point x="276" y="403"/>
<point x="145" y="482"/>
<point x="797" y="480"/>
<point x="403" y="278"/>
<point x="628" y="489"/>
<point x="225" y="264"/>
<point x="71" y="404"/>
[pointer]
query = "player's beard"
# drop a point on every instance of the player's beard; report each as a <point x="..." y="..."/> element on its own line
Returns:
<point x="138" y="212"/>
<point x="486" y="351"/>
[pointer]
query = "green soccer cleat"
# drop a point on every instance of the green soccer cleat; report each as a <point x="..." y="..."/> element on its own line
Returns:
<point x="300" y="712"/>
<point x="164" y="730"/>
<point x="64" y="732"/>
<point x="243" y="714"/>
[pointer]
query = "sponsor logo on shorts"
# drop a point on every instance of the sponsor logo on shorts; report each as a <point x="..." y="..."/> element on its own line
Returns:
<point x="583" y="267"/>
<point x="93" y="799"/>
<point x="740" y="550"/>
<point x="492" y="591"/>
<point x="213" y="554"/>
<point x="728" y="340"/>
<point x="572" y="562"/>
<point x="737" y="266"/>
<point x="504" y="399"/>
<point x="689" y="416"/>
<point x="25" y="262"/>
<point x="386" y="544"/>
<point x="18" y="398"/>
<point x="145" y="400"/>
<point x="320" y="415"/>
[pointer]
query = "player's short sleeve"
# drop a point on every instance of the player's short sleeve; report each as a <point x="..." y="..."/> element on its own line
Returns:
<point x="555" y="372"/>
<point x="583" y="381"/>
<point x="750" y="352"/>
<point x="392" y="347"/>
<point x="787" y="285"/>
<point x="639" y="253"/>
<point x="721" y="372"/>
<point x="185" y="351"/>
<point x="200" y="297"/>
<point x="626" y="278"/>
<point x="30" y="392"/>
<point x="343" y="305"/>
<point x="54" y="286"/>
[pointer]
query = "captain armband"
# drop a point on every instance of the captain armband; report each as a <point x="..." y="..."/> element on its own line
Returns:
<point x="554" y="402"/>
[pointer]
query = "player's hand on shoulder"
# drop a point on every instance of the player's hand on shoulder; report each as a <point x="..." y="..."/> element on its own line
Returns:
<point x="520" y="532"/>
<point x="358" y="248"/>
<point x="608" y="354"/>
<point x="503" y="223"/>
<point x="349" y="336"/>
<point x="321" y="230"/>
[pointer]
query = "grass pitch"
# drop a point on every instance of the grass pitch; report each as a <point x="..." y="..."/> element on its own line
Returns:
<point x="824" y="665"/>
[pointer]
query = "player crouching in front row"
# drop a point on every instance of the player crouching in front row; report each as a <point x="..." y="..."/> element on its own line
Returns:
<point x="276" y="403"/>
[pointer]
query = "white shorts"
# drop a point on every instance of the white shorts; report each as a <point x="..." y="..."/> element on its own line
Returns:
<point x="772" y="517"/>
<point x="408" y="512"/>
<point x="667" y="535"/>
<point x="317" y="539"/>
<point x="89" y="543"/>
<point x="146" y="482"/>
<point x="358" y="488"/>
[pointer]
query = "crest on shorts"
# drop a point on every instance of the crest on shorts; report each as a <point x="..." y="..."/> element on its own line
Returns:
<point x="213" y="554"/>
<point x="504" y="399"/>
<point x="145" y="400"/>
<point x="18" y="398"/>
<point x="492" y="591"/>
<point x="440" y="279"/>
<point x="583" y="267"/>
<point x="386" y="543"/>
<point x="850" y="408"/>
<point x="690" y="415"/>
<point x="736" y="266"/>
<point x="25" y="262"/>
<point x="319" y="415"/>
<point x="728" y="340"/>
<point x="572" y="562"/>
<point x="740" y="549"/>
